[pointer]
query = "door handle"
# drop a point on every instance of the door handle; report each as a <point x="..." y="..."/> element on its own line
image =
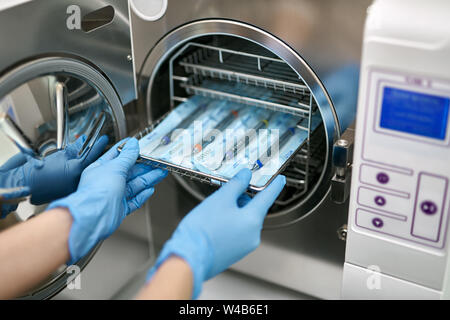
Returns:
<point x="61" y="115"/>
<point x="93" y="135"/>
<point x="342" y="162"/>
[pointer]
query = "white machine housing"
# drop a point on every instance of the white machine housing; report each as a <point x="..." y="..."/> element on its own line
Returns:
<point x="397" y="242"/>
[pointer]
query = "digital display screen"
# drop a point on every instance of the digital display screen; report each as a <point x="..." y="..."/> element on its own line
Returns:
<point x="416" y="113"/>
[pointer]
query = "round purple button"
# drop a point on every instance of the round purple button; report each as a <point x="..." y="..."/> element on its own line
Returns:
<point x="428" y="207"/>
<point x="380" y="201"/>
<point x="377" y="222"/>
<point x="382" y="178"/>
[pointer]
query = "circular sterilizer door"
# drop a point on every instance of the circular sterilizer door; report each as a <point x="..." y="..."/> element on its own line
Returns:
<point x="228" y="51"/>
<point x="53" y="101"/>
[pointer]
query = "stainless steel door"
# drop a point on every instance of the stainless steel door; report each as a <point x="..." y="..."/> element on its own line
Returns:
<point x="49" y="119"/>
<point x="58" y="83"/>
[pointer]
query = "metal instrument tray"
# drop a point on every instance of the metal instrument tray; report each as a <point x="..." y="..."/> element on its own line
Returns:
<point x="196" y="175"/>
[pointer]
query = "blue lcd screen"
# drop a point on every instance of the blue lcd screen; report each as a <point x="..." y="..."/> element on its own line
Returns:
<point x="415" y="113"/>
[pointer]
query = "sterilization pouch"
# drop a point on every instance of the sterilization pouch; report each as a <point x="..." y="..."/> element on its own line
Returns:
<point x="248" y="136"/>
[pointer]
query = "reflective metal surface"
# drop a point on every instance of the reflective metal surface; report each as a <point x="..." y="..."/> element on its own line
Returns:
<point x="61" y="114"/>
<point x="40" y="28"/>
<point x="320" y="30"/>
<point x="87" y="90"/>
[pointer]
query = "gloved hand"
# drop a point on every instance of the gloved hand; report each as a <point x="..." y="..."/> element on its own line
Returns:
<point x="54" y="176"/>
<point x="9" y="186"/>
<point x="223" y="229"/>
<point x="110" y="188"/>
<point x="8" y="194"/>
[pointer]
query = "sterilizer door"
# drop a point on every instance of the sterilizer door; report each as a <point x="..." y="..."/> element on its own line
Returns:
<point x="45" y="106"/>
<point x="65" y="70"/>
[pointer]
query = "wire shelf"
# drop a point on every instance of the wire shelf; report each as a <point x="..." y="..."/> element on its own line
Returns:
<point x="302" y="110"/>
<point x="288" y="93"/>
<point x="247" y="78"/>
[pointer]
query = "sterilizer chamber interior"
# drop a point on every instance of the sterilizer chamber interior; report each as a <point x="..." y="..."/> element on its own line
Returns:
<point x="227" y="60"/>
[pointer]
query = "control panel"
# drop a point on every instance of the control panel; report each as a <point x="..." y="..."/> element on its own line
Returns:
<point x="399" y="196"/>
<point x="402" y="171"/>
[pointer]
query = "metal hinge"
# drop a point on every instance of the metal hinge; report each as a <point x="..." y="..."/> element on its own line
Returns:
<point x="342" y="162"/>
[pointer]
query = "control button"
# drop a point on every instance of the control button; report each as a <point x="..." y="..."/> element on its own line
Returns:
<point x="388" y="202"/>
<point x="381" y="223"/>
<point x="428" y="207"/>
<point x="390" y="180"/>
<point x="382" y="178"/>
<point x="377" y="222"/>
<point x="427" y="222"/>
<point x="380" y="201"/>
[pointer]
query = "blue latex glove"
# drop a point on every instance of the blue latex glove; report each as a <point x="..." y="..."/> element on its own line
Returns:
<point x="9" y="186"/>
<point x="54" y="176"/>
<point x="223" y="229"/>
<point x="110" y="188"/>
<point x="12" y="193"/>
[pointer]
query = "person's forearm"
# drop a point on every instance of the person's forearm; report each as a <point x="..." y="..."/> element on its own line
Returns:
<point x="32" y="250"/>
<point x="172" y="281"/>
